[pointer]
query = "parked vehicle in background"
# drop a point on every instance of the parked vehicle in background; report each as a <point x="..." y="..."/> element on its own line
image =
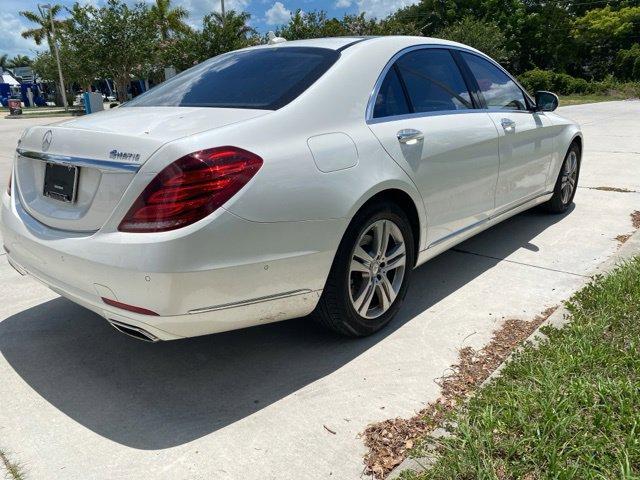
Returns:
<point x="282" y="180"/>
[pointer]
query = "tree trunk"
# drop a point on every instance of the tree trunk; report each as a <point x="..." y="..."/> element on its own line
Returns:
<point x="121" y="87"/>
<point x="57" y="82"/>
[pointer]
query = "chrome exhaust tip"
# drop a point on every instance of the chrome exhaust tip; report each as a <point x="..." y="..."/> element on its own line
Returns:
<point x="135" y="332"/>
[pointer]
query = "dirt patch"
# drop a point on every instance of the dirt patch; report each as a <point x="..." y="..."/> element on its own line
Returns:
<point x="623" y="238"/>
<point x="635" y="219"/>
<point x="613" y="189"/>
<point x="389" y="441"/>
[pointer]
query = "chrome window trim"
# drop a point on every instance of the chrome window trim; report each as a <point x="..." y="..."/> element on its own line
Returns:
<point x="370" y="119"/>
<point x="102" y="165"/>
<point x="436" y="113"/>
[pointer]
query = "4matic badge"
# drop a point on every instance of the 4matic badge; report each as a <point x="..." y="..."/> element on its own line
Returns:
<point x="116" y="155"/>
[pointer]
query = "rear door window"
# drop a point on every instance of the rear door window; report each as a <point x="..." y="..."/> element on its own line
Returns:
<point x="391" y="99"/>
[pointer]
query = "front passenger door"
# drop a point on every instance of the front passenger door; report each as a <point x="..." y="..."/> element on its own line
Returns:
<point x="526" y="137"/>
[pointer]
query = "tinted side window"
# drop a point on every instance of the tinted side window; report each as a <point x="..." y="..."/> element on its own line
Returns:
<point x="498" y="89"/>
<point x="433" y="81"/>
<point x="391" y="99"/>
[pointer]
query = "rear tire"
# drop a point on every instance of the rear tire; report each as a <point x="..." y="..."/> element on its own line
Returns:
<point x="567" y="182"/>
<point x="370" y="273"/>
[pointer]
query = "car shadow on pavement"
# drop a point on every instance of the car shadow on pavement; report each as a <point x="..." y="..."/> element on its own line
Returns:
<point x="154" y="396"/>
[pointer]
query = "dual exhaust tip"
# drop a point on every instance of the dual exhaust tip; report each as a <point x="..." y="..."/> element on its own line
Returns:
<point x="135" y="332"/>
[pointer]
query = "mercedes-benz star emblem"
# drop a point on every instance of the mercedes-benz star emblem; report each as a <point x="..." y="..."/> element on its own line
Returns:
<point x="46" y="140"/>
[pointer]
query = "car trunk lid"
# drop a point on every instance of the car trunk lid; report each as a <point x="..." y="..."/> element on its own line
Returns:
<point x="107" y="149"/>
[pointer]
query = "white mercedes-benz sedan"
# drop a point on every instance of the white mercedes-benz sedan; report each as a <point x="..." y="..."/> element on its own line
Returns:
<point x="303" y="177"/>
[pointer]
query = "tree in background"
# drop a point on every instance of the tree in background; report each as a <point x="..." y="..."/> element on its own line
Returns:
<point x="4" y="61"/>
<point x="545" y="37"/>
<point x="43" y="31"/>
<point x="122" y="41"/>
<point x="316" y="24"/>
<point x="483" y="35"/>
<point x="571" y="36"/>
<point x="549" y="38"/>
<point x="603" y="34"/>
<point x="169" y="21"/>
<point x="43" y="20"/>
<point x="19" y="61"/>
<point x="433" y="16"/>
<point x="223" y="34"/>
<point x="216" y="37"/>
<point x="627" y="64"/>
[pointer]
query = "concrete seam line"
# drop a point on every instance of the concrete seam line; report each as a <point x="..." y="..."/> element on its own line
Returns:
<point x="518" y="263"/>
<point x="558" y="319"/>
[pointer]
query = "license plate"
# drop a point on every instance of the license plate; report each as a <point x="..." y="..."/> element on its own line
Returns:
<point x="61" y="182"/>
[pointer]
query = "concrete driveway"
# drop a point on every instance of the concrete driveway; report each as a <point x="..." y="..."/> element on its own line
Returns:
<point x="79" y="401"/>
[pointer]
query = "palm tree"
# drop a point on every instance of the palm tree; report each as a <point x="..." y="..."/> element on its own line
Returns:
<point x="44" y="30"/>
<point x="169" y="20"/>
<point x="43" y="20"/>
<point x="3" y="62"/>
<point x="20" y="61"/>
<point x="232" y="23"/>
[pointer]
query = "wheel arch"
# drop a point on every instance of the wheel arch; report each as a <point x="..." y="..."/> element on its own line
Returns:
<point x="577" y="139"/>
<point x="411" y="206"/>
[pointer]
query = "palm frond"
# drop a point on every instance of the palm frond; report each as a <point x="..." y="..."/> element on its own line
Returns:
<point x="32" y="17"/>
<point x="38" y="34"/>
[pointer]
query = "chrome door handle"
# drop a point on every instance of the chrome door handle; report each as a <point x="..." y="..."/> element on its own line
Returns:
<point x="508" y="125"/>
<point x="409" y="135"/>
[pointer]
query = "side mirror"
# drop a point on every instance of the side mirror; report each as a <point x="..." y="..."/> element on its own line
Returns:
<point x="546" y="101"/>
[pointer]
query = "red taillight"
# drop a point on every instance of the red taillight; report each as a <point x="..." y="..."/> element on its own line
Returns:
<point x="130" y="308"/>
<point x="191" y="188"/>
<point x="9" y="186"/>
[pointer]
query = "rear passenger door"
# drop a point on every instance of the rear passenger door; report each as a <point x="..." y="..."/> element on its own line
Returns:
<point x="426" y="119"/>
<point x="526" y="137"/>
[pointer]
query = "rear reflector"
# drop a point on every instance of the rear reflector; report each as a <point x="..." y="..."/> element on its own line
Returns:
<point x="191" y="188"/>
<point x="130" y="308"/>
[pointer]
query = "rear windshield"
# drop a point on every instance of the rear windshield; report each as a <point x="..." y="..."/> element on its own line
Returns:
<point x="264" y="78"/>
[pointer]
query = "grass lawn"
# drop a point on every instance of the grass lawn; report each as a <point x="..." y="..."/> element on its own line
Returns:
<point x="11" y="469"/>
<point x="566" y="100"/>
<point x="567" y="409"/>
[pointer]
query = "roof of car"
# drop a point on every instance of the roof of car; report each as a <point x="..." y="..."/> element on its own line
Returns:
<point x="334" y="43"/>
<point x="341" y="43"/>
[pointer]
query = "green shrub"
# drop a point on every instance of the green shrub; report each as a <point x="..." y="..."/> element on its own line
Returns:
<point x="536" y="79"/>
<point x="627" y="63"/>
<point x="564" y="84"/>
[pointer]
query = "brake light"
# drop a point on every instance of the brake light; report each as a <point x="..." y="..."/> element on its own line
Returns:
<point x="191" y="188"/>
<point x="9" y="186"/>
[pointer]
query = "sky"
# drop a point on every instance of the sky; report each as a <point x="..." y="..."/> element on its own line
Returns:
<point x="265" y="14"/>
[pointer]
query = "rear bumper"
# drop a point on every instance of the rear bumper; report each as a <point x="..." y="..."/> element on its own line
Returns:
<point x="230" y="273"/>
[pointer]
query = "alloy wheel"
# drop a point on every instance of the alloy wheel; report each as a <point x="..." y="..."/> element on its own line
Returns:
<point x="377" y="268"/>
<point x="569" y="177"/>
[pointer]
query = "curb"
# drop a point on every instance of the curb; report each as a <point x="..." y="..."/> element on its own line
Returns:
<point x="558" y="319"/>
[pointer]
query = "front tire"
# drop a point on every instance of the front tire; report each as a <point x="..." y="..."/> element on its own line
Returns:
<point x="370" y="273"/>
<point x="567" y="182"/>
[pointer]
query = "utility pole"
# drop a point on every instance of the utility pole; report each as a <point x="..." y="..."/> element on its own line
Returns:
<point x="47" y="6"/>
<point x="222" y="8"/>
